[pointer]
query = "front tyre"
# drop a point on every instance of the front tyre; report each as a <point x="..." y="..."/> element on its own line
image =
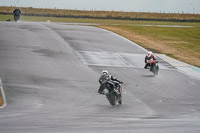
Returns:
<point x="120" y="100"/>
<point x="16" y="18"/>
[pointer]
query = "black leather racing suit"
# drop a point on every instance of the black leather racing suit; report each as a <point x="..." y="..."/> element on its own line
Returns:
<point x="108" y="82"/>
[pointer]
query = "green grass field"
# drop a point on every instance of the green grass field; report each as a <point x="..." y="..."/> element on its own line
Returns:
<point x="98" y="21"/>
<point x="104" y="14"/>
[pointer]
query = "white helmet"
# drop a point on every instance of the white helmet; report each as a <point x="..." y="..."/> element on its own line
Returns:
<point x="104" y="72"/>
<point x="149" y="53"/>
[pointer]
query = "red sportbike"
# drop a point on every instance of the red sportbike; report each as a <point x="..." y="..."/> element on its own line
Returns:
<point x="153" y="66"/>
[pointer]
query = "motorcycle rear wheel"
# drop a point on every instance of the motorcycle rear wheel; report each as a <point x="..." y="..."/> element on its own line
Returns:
<point x="112" y="98"/>
<point x="120" y="100"/>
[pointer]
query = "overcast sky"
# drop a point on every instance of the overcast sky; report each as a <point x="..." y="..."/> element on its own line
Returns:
<point x="187" y="6"/>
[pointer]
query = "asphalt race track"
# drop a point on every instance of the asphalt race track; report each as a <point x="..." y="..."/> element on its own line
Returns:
<point x="50" y="77"/>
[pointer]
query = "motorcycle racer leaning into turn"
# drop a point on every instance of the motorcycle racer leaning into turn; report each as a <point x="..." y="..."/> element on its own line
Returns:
<point x="16" y="14"/>
<point x="148" y="58"/>
<point x="108" y="80"/>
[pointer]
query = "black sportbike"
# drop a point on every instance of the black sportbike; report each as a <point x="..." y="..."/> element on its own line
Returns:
<point x="114" y="95"/>
<point x="16" y="17"/>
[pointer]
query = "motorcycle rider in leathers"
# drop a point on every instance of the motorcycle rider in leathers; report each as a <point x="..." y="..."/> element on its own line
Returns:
<point x="148" y="57"/>
<point x="108" y="81"/>
<point x="16" y="14"/>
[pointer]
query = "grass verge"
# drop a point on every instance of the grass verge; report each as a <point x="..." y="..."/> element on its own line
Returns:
<point x="1" y="100"/>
